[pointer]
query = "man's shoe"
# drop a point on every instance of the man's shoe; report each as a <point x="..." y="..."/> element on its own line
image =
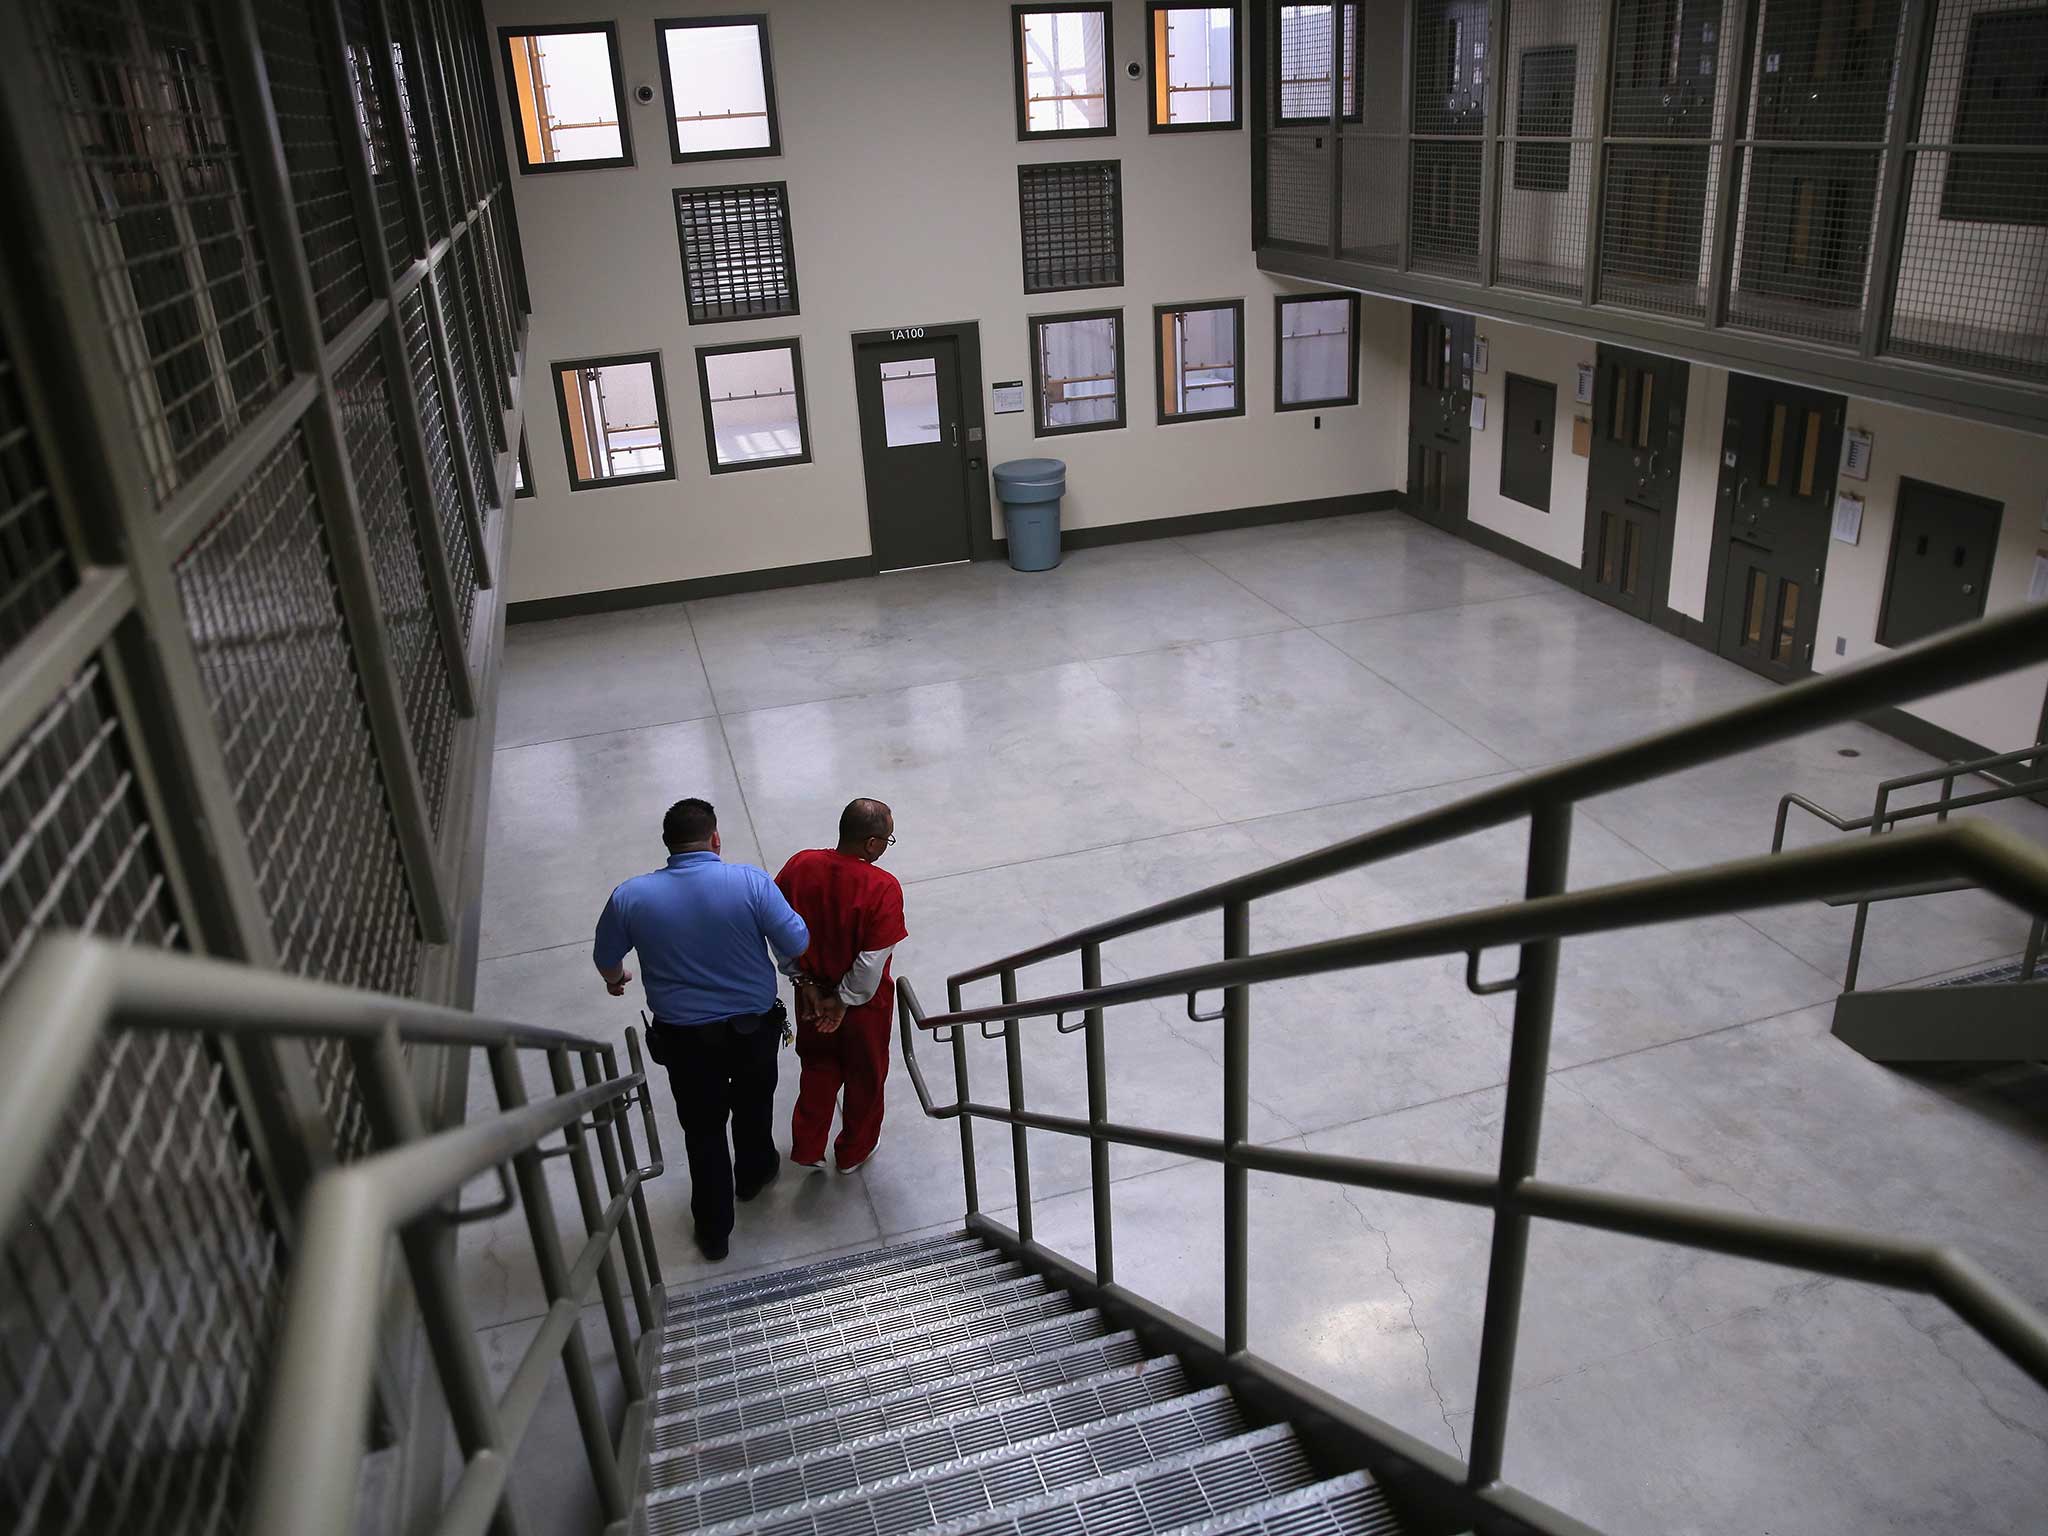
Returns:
<point x="816" y="1162"/>
<point x="745" y="1192"/>
<point x="714" y="1249"/>
<point x="856" y="1163"/>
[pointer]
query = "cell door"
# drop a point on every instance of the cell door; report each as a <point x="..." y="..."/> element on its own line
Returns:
<point x="912" y="439"/>
<point x="1632" y="478"/>
<point x="1943" y="543"/>
<point x="1779" y="448"/>
<point x="1440" y="416"/>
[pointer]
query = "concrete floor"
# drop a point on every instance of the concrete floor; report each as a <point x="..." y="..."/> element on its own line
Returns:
<point x="1062" y="747"/>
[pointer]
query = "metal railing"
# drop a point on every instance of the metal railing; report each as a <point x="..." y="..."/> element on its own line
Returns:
<point x="323" y="1354"/>
<point x="1884" y="818"/>
<point x="1996" y="860"/>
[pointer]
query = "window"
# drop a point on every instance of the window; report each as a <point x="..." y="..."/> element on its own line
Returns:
<point x="1318" y="351"/>
<point x="1304" y="52"/>
<point x="1077" y="371"/>
<point x="1073" y="224"/>
<point x="567" y="102"/>
<point x="1194" y="66"/>
<point x="1063" y="82"/>
<point x="522" y="476"/>
<point x="2004" y="100"/>
<point x="1544" y="93"/>
<point x="614" y="420"/>
<point x="1200" y="355"/>
<point x="719" y="86"/>
<point x="753" y="405"/>
<point x="737" y="259"/>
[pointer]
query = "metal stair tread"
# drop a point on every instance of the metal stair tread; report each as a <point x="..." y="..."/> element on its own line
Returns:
<point x="678" y="1425"/>
<point x="739" y="1449"/>
<point x="871" y="1352"/>
<point x="1352" y="1505"/>
<point x="859" y="1460"/>
<point x="711" y="1321"/>
<point x="691" y="1358"/>
<point x="980" y="1482"/>
<point x="809" y="1277"/>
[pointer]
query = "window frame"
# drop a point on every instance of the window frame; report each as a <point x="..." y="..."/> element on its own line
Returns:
<point x="1280" y="303"/>
<point x="610" y="29"/>
<point x="1033" y="325"/>
<point x="668" y="443"/>
<point x="1106" y="10"/>
<point x="679" y="196"/>
<point x="1195" y="307"/>
<point x="525" y="492"/>
<point x="1357" y="112"/>
<point x="794" y="347"/>
<point x="1154" y="64"/>
<point x="759" y="22"/>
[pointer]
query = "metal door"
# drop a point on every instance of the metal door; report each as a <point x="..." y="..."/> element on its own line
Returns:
<point x="1439" y="416"/>
<point x="1528" y="430"/>
<point x="1943" y="542"/>
<point x="1638" y="430"/>
<point x="1779" y="449"/>
<point x="913" y="445"/>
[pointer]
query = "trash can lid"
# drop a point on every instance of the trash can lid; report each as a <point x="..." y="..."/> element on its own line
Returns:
<point x="1031" y="471"/>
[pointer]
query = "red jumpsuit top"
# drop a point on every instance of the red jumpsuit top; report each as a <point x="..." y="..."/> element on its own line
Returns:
<point x="849" y="906"/>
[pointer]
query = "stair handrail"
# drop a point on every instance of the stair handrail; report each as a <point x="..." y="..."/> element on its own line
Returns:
<point x="71" y="990"/>
<point x="1994" y="858"/>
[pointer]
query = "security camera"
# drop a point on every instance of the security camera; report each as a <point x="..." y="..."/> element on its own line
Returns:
<point x="1131" y="69"/>
<point x="644" y="94"/>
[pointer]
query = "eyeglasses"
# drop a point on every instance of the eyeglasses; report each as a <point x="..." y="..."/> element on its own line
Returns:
<point x="889" y="841"/>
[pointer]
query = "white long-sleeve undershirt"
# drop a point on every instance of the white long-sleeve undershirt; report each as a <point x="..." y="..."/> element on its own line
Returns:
<point x="864" y="977"/>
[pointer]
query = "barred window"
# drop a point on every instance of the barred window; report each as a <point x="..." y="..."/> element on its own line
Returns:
<point x="1201" y="359"/>
<point x="614" y="420"/>
<point x="1077" y="371"/>
<point x="720" y="88"/>
<point x="568" y="103"/>
<point x="1073" y="225"/>
<point x="1064" y="89"/>
<point x="1194" y="66"/>
<point x="738" y="259"/>
<point x="1318" y="350"/>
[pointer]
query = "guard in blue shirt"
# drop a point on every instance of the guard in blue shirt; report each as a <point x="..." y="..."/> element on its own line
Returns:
<point x="703" y="929"/>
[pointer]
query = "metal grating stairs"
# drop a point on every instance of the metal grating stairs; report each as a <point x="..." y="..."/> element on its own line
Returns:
<point x="941" y="1387"/>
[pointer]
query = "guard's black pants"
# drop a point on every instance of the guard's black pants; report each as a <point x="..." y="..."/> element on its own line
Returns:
<point x="718" y="1073"/>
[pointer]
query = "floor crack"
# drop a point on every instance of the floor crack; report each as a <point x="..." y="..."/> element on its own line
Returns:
<point x="1428" y="1366"/>
<point x="1934" y="1334"/>
<point x="1676" y="1159"/>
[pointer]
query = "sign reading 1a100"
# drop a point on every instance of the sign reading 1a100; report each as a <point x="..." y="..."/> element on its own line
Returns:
<point x="908" y="333"/>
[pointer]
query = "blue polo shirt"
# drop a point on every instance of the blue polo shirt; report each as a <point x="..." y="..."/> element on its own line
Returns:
<point x="698" y="925"/>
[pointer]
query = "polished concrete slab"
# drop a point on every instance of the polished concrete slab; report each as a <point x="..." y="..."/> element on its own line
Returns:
<point x="1064" y="747"/>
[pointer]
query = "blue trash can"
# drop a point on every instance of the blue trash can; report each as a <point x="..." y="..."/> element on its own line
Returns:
<point x="1030" y="491"/>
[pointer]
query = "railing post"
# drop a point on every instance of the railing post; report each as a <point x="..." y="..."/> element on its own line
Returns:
<point x="615" y="1179"/>
<point x="1020" y="1147"/>
<point x="969" y="1177"/>
<point x="593" y="1223"/>
<point x="1237" y="1098"/>
<point x="1856" y="933"/>
<point x="1098" y="1115"/>
<point x="650" y="1259"/>
<point x="554" y="1279"/>
<point x="1550" y="835"/>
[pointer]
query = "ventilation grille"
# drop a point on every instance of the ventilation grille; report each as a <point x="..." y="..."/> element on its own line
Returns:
<point x="156" y="166"/>
<point x="35" y="567"/>
<point x="1073" y="224"/>
<point x="371" y="431"/>
<point x="737" y="259"/>
<point x="308" y="125"/>
<point x="426" y="385"/>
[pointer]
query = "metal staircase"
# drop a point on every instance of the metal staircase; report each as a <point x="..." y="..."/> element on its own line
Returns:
<point x="936" y="1387"/>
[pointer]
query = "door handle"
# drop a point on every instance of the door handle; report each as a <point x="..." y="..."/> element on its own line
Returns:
<point x="1653" y="464"/>
<point x="1742" y="491"/>
<point x="953" y="429"/>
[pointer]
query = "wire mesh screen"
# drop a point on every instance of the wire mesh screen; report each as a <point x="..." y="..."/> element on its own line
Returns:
<point x="265" y="617"/>
<point x="447" y="148"/>
<point x="737" y="261"/>
<point x="1371" y="208"/>
<point x="491" y="258"/>
<point x="1443" y="207"/>
<point x="1972" y="288"/>
<point x="1820" y="85"/>
<point x="462" y="364"/>
<point x="35" y="566"/>
<point x="295" y="56"/>
<point x="1298" y="188"/>
<point x="1546" y="156"/>
<point x="1072" y="219"/>
<point x="413" y="115"/>
<point x="156" y="168"/>
<point x="1302" y="54"/>
<point x="1445" y="155"/>
<point x="371" y="432"/>
<point x="461" y="267"/>
<point x="426" y="385"/>
<point x="373" y="118"/>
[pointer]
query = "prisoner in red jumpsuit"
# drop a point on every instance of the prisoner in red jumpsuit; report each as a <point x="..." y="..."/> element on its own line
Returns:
<point x="854" y="912"/>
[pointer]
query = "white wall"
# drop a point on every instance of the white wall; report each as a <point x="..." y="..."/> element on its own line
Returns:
<point x="900" y="150"/>
<point x="2004" y="466"/>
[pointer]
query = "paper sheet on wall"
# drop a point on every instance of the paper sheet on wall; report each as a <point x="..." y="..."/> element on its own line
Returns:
<point x="1583" y="393"/>
<point x="1479" y="413"/>
<point x="1856" y="454"/>
<point x="1848" y="518"/>
<point x="2037" y="588"/>
<point x="1006" y="397"/>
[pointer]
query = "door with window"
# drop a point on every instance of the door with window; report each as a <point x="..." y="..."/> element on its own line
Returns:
<point x="1439" y="416"/>
<point x="1632" y="478"/>
<point x="1779" y="449"/>
<point x="913" y="441"/>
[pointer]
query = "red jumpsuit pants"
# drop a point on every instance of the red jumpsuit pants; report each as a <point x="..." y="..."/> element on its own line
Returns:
<point x="853" y="1058"/>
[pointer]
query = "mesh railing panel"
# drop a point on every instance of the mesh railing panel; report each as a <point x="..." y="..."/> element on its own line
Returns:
<point x="1656" y="212"/>
<point x="371" y="430"/>
<point x="426" y="384"/>
<point x="462" y="363"/>
<point x="737" y="260"/>
<point x="491" y="260"/>
<point x="265" y="615"/>
<point x="1298" y="188"/>
<point x="36" y="571"/>
<point x="448" y="148"/>
<point x="1546" y="158"/>
<point x="1972" y="287"/>
<point x="412" y="108"/>
<point x="1443" y="207"/>
<point x="1072" y="219"/>
<point x="1450" y="67"/>
<point x="1371" y="207"/>
<point x="295" y="56"/>
<point x="1543" y="197"/>
<point x="155" y="164"/>
<point x="483" y="339"/>
<point x="374" y="116"/>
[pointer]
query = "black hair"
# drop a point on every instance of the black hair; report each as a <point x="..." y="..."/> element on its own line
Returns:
<point x="863" y="819"/>
<point x="688" y="821"/>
